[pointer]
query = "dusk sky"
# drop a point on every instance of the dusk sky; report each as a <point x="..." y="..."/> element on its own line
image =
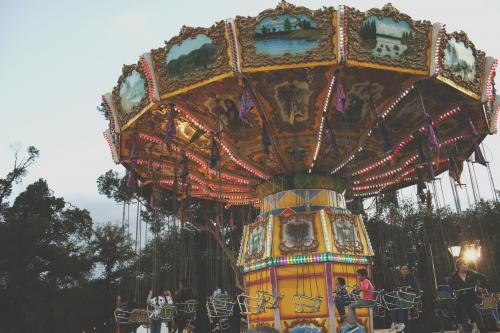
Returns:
<point x="58" y="57"/>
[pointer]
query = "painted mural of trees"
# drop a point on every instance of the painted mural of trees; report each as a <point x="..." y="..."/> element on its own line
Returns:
<point x="368" y="30"/>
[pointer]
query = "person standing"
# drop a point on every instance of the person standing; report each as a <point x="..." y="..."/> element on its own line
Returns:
<point x="408" y="283"/>
<point x="156" y="303"/>
<point x="464" y="282"/>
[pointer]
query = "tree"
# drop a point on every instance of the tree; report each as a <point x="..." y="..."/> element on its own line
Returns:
<point x="41" y="254"/>
<point x="111" y="251"/>
<point x="287" y="25"/>
<point x="19" y="170"/>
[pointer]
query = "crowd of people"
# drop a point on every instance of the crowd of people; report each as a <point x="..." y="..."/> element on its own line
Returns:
<point x="156" y="303"/>
<point x="463" y="284"/>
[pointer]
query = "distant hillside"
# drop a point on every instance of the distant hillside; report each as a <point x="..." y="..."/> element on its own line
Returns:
<point x="307" y="34"/>
<point x="195" y="60"/>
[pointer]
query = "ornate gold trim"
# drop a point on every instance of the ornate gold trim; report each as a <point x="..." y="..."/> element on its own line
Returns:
<point x="417" y="61"/>
<point x="258" y="255"/>
<point x="321" y="325"/>
<point x="217" y="33"/>
<point x="479" y="60"/>
<point x="126" y="71"/>
<point x="301" y="247"/>
<point x="356" y="248"/>
<point x="324" y="52"/>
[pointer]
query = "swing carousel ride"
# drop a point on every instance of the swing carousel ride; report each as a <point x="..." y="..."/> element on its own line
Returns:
<point x="298" y="111"/>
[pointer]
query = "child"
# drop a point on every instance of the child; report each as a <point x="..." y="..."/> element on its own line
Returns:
<point x="341" y="297"/>
<point x="367" y="299"/>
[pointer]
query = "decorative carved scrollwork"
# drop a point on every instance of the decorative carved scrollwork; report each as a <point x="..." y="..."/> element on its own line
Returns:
<point x="479" y="59"/>
<point x="321" y="325"/>
<point x="168" y="83"/>
<point x="256" y="232"/>
<point x="126" y="71"/>
<point x="298" y="233"/>
<point x="417" y="59"/>
<point x="346" y="236"/>
<point x="246" y="27"/>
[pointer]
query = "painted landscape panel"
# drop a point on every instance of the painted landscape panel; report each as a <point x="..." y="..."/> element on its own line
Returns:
<point x="286" y="34"/>
<point x="256" y="241"/>
<point x="192" y="54"/>
<point x="132" y="91"/>
<point x="386" y="37"/>
<point x="459" y="60"/>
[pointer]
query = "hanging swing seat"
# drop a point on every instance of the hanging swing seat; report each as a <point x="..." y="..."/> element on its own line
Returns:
<point x="121" y="316"/>
<point x="139" y="316"/>
<point x="489" y="300"/>
<point x="376" y="303"/>
<point x="306" y="304"/>
<point x="252" y="305"/>
<point x="219" y="307"/>
<point x="188" y="308"/>
<point x="168" y="312"/>
<point x="402" y="299"/>
<point x="272" y="301"/>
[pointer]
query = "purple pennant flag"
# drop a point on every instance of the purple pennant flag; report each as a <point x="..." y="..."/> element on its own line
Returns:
<point x="247" y="103"/>
<point x="215" y="154"/>
<point x="133" y="156"/>
<point x="132" y="180"/>
<point x="474" y="135"/>
<point x="184" y="170"/>
<point x="171" y="130"/>
<point x="341" y="98"/>
<point x="431" y="135"/>
<point x="266" y="141"/>
<point x="330" y="136"/>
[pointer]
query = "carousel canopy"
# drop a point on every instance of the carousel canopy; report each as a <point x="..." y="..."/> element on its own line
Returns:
<point x="332" y="98"/>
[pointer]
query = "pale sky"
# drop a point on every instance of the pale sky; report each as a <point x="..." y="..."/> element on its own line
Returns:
<point x="58" y="57"/>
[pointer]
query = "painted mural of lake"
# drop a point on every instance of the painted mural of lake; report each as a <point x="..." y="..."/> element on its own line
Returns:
<point x="388" y="46"/>
<point x="386" y="37"/>
<point x="280" y="46"/>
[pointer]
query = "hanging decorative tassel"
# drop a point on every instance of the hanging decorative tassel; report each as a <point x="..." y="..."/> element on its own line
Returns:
<point x="266" y="141"/>
<point x="420" y="189"/>
<point x="478" y="156"/>
<point x="171" y="130"/>
<point x="152" y="202"/>
<point x="184" y="169"/>
<point x="132" y="180"/>
<point x="231" y="220"/>
<point x="421" y="154"/>
<point x="388" y="144"/>
<point x="247" y="103"/>
<point x="431" y="134"/>
<point x="474" y="135"/>
<point x="341" y="98"/>
<point x="330" y="136"/>
<point x="432" y="171"/>
<point x="455" y="169"/>
<point x="215" y="154"/>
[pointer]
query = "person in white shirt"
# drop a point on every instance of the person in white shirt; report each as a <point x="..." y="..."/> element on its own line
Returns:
<point x="156" y="303"/>
<point x="217" y="292"/>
